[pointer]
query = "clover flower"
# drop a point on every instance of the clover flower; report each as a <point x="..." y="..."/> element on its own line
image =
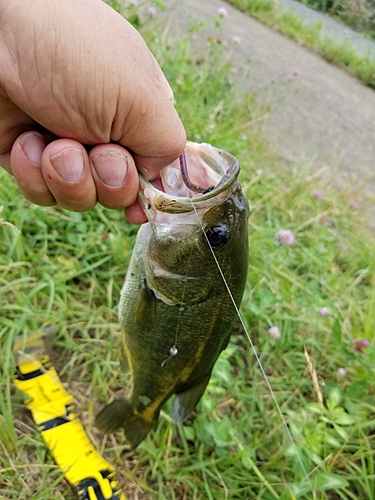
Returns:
<point x="222" y="11"/>
<point x="274" y="332"/>
<point x="285" y="237"/>
<point x="325" y="311"/>
<point x="152" y="11"/>
<point x="361" y="344"/>
<point x="318" y="194"/>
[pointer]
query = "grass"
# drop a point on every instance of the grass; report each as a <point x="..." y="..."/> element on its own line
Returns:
<point x="358" y="15"/>
<point x="271" y="13"/>
<point x="67" y="269"/>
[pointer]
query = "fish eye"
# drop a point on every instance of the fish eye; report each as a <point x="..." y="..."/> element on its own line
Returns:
<point x="217" y="236"/>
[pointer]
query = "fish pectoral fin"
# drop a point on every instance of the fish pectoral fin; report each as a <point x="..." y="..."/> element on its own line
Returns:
<point x="145" y="308"/>
<point x="119" y="414"/>
<point x="185" y="402"/>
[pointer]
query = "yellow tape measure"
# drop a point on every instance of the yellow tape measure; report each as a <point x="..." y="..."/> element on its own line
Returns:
<point x="53" y="412"/>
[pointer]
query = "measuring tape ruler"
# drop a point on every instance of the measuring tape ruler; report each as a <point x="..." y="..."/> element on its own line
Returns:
<point x="53" y="411"/>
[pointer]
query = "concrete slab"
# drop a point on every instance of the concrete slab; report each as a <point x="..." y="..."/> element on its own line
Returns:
<point x="331" y="119"/>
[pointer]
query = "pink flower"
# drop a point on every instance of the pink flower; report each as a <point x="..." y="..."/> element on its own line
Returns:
<point x="152" y="11"/>
<point x="319" y="194"/>
<point x="222" y="11"/>
<point x="290" y="78"/>
<point x="133" y="2"/>
<point x="297" y="72"/>
<point x="236" y="39"/>
<point x="273" y="79"/>
<point x="234" y="70"/>
<point x="274" y="332"/>
<point x="285" y="237"/>
<point x="353" y="204"/>
<point x="325" y="311"/>
<point x="361" y="344"/>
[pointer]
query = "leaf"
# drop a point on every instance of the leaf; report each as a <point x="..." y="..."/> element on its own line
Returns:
<point x="299" y="489"/>
<point x="357" y="389"/>
<point x="314" y="408"/>
<point x="341" y="432"/>
<point x="334" y="398"/>
<point x="189" y="433"/>
<point x="336" y="333"/>
<point x="343" y="419"/>
<point x="335" y="443"/>
<point x="324" y="481"/>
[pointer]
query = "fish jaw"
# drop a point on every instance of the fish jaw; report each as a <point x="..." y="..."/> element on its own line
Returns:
<point x="208" y="167"/>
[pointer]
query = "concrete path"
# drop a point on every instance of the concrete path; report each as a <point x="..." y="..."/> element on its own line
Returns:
<point x="330" y="120"/>
<point x="330" y="28"/>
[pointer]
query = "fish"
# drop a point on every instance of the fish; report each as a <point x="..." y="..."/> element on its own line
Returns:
<point x="176" y="312"/>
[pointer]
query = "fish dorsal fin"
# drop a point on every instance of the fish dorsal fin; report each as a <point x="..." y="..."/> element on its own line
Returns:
<point x="185" y="402"/>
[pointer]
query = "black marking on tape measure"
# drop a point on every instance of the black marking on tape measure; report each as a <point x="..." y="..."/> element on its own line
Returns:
<point x="85" y="484"/>
<point x="55" y="422"/>
<point x="22" y="377"/>
<point x="28" y="376"/>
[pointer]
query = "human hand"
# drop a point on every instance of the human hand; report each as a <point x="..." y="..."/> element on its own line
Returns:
<point x="76" y="73"/>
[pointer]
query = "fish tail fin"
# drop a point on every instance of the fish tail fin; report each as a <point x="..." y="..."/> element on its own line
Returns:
<point x="120" y="413"/>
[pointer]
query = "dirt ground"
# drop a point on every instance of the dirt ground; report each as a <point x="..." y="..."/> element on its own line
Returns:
<point x="329" y="122"/>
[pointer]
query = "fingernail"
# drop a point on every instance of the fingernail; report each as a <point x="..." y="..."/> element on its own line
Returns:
<point x="33" y="145"/>
<point x="111" y="167"/>
<point x="69" y="164"/>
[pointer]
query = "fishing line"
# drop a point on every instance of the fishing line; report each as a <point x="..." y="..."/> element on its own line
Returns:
<point x="290" y="437"/>
<point x="173" y="351"/>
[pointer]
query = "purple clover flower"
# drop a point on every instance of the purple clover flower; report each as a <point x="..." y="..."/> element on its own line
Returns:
<point x="361" y="344"/>
<point x="152" y="11"/>
<point x="325" y="311"/>
<point x="274" y="332"/>
<point x="222" y="11"/>
<point x="285" y="237"/>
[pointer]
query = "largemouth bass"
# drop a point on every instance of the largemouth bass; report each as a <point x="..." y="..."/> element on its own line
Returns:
<point x="175" y="310"/>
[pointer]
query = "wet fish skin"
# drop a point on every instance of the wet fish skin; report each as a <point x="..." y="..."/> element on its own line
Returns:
<point x="174" y="295"/>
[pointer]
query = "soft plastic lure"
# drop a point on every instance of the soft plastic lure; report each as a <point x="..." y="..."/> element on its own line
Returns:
<point x="54" y="413"/>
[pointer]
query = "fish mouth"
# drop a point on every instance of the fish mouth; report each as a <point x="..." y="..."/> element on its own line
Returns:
<point x="202" y="177"/>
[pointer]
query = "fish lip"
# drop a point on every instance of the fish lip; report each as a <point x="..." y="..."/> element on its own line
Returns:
<point x="167" y="203"/>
